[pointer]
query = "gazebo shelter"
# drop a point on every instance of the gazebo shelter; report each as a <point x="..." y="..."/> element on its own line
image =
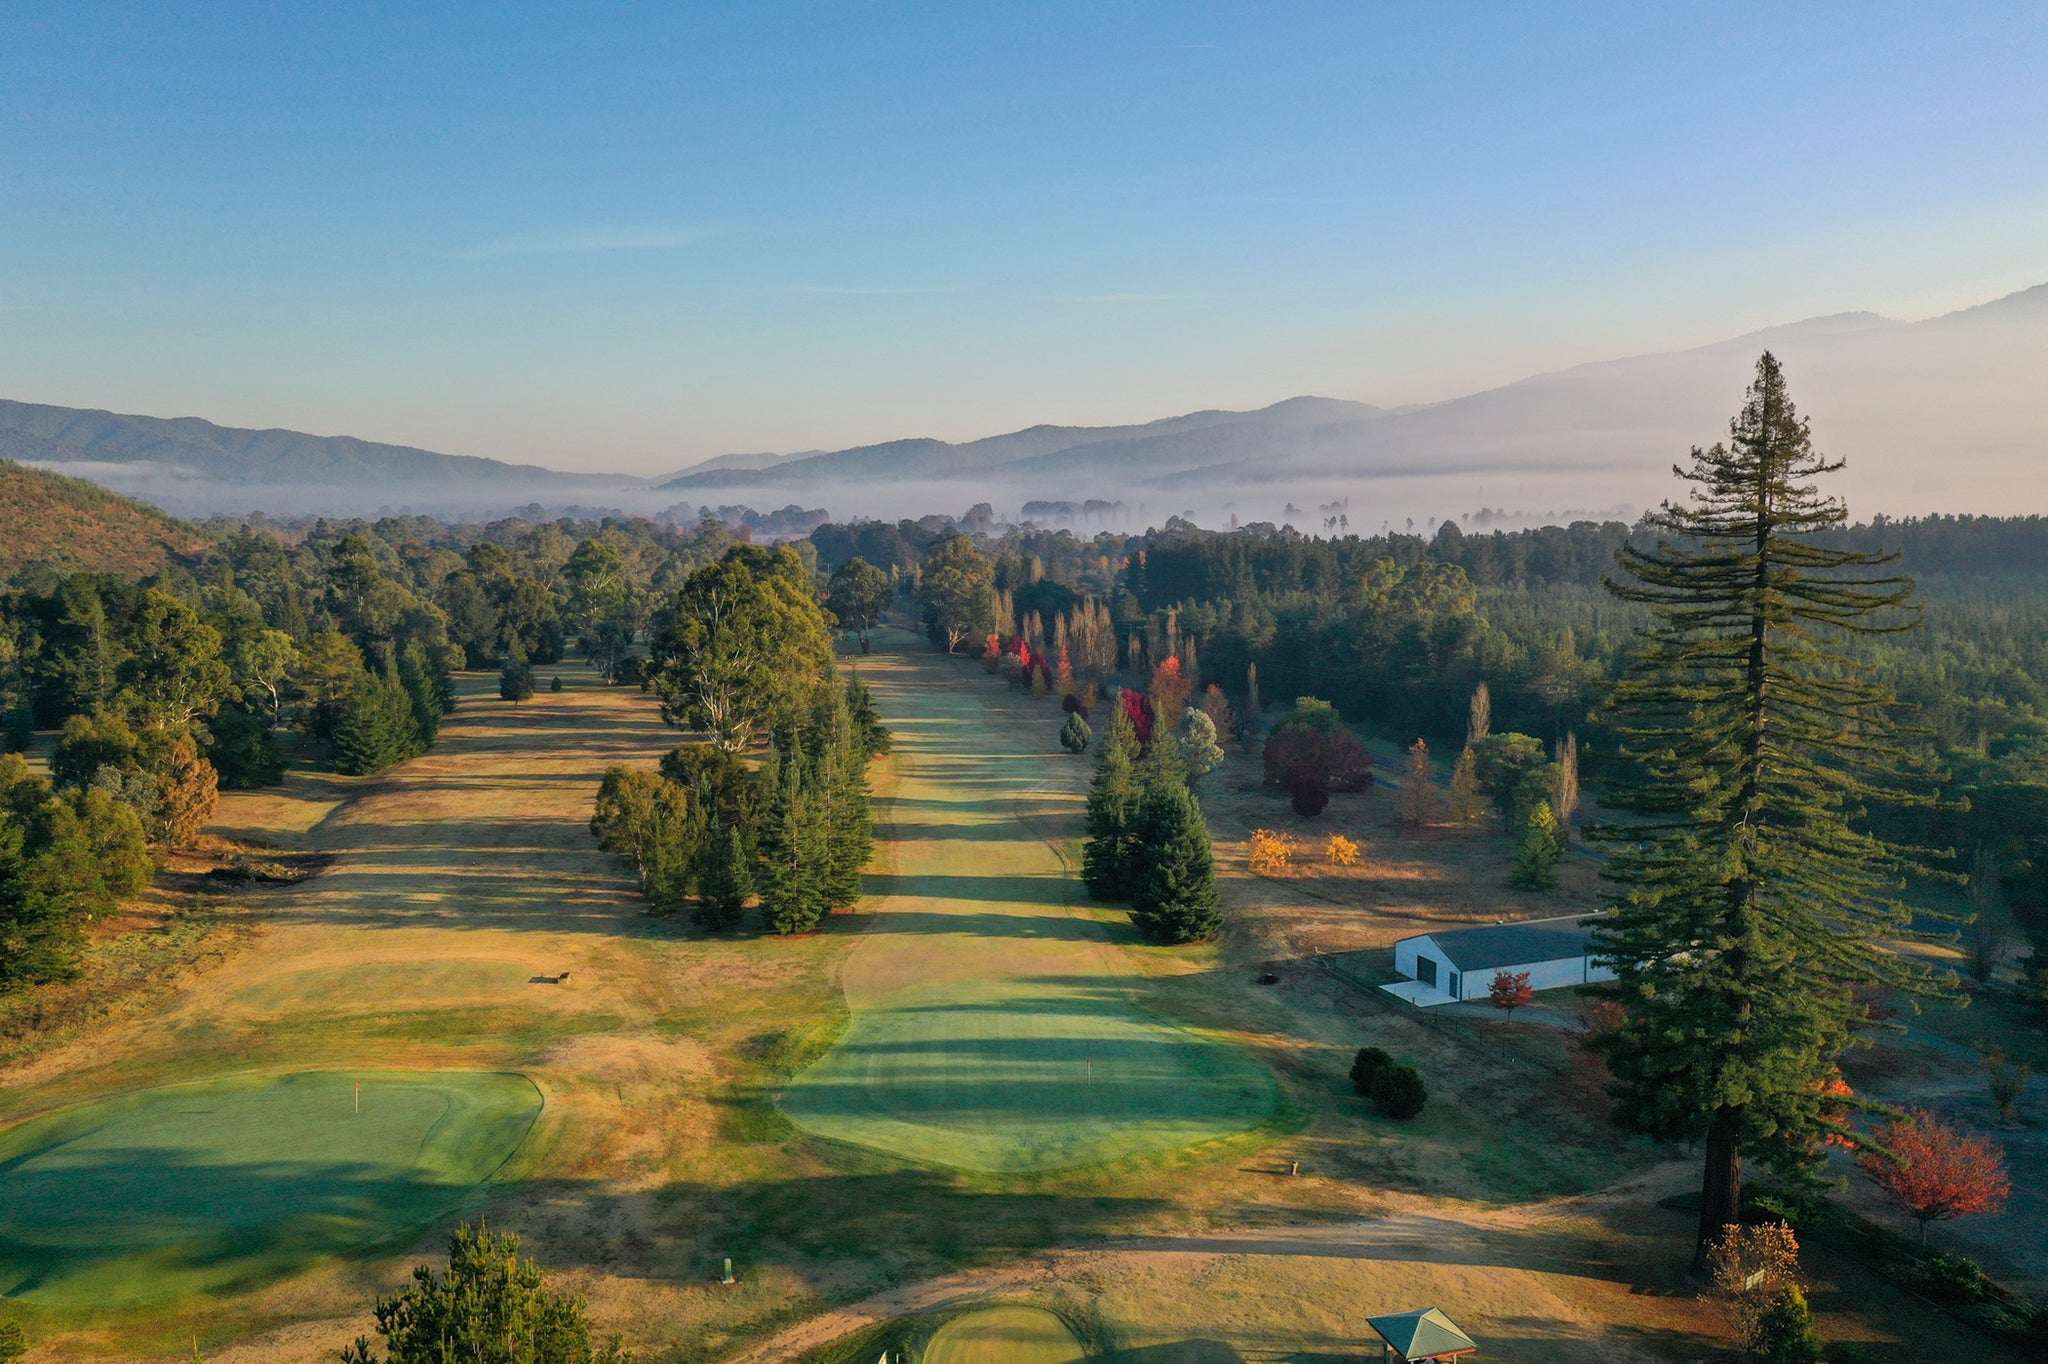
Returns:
<point x="1417" y="1337"/>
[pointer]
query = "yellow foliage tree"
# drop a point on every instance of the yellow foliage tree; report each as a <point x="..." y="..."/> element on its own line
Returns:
<point x="1272" y="853"/>
<point x="1341" y="851"/>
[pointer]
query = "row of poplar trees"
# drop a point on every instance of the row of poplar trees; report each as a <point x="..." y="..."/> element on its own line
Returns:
<point x="1755" y="911"/>
<point x="1147" y="843"/>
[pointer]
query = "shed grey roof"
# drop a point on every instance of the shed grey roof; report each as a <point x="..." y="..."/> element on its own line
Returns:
<point x="1495" y="945"/>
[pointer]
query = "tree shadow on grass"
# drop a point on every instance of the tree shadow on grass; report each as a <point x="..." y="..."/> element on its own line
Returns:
<point x="118" y="1225"/>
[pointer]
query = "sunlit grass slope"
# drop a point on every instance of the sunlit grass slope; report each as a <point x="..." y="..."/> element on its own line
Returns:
<point x="991" y="1030"/>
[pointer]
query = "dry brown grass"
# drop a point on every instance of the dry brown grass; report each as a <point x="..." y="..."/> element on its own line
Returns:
<point x="462" y="874"/>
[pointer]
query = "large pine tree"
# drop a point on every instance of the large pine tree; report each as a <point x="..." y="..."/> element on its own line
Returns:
<point x="1173" y="882"/>
<point x="725" y="882"/>
<point x="376" y="728"/>
<point x="1112" y="811"/>
<point x="1750" y="906"/>
<point x="794" y="846"/>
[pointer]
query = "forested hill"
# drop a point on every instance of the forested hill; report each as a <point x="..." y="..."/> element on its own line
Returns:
<point x="195" y="467"/>
<point x="70" y="524"/>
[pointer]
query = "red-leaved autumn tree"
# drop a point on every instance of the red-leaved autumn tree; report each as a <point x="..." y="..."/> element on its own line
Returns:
<point x="1171" y="688"/>
<point x="1140" y="711"/>
<point x="1510" y="991"/>
<point x="1934" y="1172"/>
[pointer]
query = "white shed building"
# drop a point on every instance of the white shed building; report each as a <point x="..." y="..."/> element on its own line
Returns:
<point x="1460" y="963"/>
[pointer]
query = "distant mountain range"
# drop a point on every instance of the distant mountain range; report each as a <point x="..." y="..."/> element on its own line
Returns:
<point x="195" y="467"/>
<point x="1948" y="413"/>
<point x="1945" y="414"/>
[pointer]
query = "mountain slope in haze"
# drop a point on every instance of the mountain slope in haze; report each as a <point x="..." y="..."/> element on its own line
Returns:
<point x="1038" y="446"/>
<point x="192" y="465"/>
<point x="1949" y="413"/>
<point x="72" y="525"/>
<point x="1946" y="414"/>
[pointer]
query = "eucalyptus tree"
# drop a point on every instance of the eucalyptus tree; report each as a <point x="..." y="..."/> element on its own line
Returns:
<point x="745" y="647"/>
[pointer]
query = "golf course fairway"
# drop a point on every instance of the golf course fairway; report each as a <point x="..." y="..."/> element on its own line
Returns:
<point x="210" y="1186"/>
<point x="992" y="1028"/>
<point x="1004" y="1335"/>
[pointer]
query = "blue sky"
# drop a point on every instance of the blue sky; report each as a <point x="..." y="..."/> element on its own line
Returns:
<point x="626" y="237"/>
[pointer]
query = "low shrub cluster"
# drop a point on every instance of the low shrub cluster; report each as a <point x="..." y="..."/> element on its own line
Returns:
<point x="1395" y="1089"/>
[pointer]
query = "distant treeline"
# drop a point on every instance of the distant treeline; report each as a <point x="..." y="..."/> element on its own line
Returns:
<point x="1397" y="630"/>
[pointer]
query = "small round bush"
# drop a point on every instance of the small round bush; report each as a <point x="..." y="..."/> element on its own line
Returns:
<point x="1310" y="797"/>
<point x="1369" y="1062"/>
<point x="1074" y="705"/>
<point x="1785" y="1333"/>
<point x="1398" y="1092"/>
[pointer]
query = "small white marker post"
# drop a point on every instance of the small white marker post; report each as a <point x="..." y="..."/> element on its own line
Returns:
<point x="359" y="1097"/>
<point x="728" y="1269"/>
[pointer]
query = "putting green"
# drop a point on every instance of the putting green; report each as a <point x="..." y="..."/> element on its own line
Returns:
<point x="992" y="1029"/>
<point x="1004" y="1335"/>
<point x="214" y="1185"/>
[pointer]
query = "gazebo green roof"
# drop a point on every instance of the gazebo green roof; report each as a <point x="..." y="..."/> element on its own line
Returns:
<point x="1424" y="1334"/>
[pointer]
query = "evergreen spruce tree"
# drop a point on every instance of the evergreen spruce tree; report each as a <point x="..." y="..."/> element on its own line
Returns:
<point x="850" y="839"/>
<point x="1173" y="880"/>
<point x="515" y="679"/>
<point x="794" y="849"/>
<point x="1541" y="849"/>
<point x="376" y="727"/>
<point x="666" y="853"/>
<point x="1749" y="909"/>
<point x="423" y="694"/>
<point x="725" y="882"/>
<point x="867" y="721"/>
<point x="1075" y="734"/>
<point x="1467" y="801"/>
<point x="1112" y="812"/>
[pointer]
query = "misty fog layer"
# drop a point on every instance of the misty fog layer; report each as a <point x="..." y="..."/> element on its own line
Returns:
<point x="1948" y="414"/>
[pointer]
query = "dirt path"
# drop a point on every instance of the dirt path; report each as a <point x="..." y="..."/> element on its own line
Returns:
<point x="1474" y="1259"/>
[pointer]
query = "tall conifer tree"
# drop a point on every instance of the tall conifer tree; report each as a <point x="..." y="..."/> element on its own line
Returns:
<point x="794" y="848"/>
<point x="1173" y="884"/>
<point x="725" y="883"/>
<point x="1750" y="907"/>
<point x="1112" y="811"/>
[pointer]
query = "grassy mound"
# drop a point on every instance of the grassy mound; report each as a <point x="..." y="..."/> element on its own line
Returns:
<point x="1004" y="1335"/>
<point x="215" y="1185"/>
